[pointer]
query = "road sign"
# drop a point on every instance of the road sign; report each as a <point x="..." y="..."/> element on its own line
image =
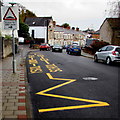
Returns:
<point x="10" y="17"/>
<point x="10" y="24"/>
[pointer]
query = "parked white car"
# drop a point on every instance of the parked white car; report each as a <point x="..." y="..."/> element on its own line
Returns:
<point x="109" y="54"/>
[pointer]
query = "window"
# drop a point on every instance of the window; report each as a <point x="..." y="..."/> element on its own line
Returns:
<point x="109" y="48"/>
<point x="104" y="48"/>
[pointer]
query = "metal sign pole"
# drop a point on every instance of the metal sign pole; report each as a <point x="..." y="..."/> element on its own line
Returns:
<point x="13" y="49"/>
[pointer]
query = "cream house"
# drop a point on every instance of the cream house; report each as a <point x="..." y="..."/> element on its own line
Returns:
<point x="66" y="36"/>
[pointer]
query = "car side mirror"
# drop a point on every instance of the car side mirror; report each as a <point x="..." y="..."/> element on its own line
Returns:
<point x="99" y="50"/>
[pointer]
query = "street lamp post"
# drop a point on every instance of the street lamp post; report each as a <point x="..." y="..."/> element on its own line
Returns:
<point x="13" y="49"/>
<point x="46" y="21"/>
<point x="13" y="46"/>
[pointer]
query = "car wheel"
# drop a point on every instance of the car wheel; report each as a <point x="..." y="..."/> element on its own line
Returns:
<point x="108" y="61"/>
<point x="79" y="53"/>
<point x="40" y="49"/>
<point x="69" y="53"/>
<point x="95" y="58"/>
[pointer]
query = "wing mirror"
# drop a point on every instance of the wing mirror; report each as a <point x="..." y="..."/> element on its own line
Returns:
<point x="99" y="50"/>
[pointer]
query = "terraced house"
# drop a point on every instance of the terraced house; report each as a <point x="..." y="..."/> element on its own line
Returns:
<point x="65" y="36"/>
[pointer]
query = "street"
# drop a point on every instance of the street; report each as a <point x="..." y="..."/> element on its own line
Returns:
<point x="69" y="86"/>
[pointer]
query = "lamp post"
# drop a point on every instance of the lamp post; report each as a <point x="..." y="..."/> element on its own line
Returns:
<point x="46" y="21"/>
<point x="13" y="46"/>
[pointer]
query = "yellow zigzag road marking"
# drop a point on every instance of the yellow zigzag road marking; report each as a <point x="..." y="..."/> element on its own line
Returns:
<point x="97" y="103"/>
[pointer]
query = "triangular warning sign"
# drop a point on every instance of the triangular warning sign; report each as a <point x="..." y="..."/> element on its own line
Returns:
<point x="9" y="15"/>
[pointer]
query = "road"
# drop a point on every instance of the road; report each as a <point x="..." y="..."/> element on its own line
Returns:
<point x="68" y="86"/>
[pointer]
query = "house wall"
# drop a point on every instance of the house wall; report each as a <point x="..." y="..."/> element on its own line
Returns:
<point x="106" y="32"/>
<point x="39" y="32"/>
<point x="116" y="37"/>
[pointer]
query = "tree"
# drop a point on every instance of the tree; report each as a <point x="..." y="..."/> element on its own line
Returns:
<point x="26" y="13"/>
<point x="23" y="30"/>
<point x="113" y="8"/>
<point x="65" y="25"/>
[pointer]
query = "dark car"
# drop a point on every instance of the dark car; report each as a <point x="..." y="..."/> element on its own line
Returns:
<point x="44" y="46"/>
<point x="57" y="48"/>
<point x="67" y="47"/>
<point x="74" y="49"/>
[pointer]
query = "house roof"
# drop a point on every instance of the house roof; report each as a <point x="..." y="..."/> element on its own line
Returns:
<point x="37" y="21"/>
<point x="113" y="22"/>
<point x="67" y="31"/>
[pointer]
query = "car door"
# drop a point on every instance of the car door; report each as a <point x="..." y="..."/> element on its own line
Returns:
<point x="101" y="53"/>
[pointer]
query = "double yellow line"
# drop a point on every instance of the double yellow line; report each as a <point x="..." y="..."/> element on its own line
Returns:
<point x="43" y="92"/>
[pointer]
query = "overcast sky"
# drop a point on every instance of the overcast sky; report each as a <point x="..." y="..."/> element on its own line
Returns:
<point x="77" y="13"/>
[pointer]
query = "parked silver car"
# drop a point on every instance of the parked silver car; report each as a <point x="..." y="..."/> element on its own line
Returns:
<point x="109" y="54"/>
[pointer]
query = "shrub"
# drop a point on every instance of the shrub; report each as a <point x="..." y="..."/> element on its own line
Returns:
<point x="8" y="37"/>
<point x="96" y="45"/>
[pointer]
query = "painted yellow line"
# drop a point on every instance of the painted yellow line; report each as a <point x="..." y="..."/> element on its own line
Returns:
<point x="34" y="64"/>
<point x="71" y="98"/>
<point x="72" y="107"/>
<point x="53" y="68"/>
<point x="35" y="69"/>
<point x="33" y="61"/>
<point x="43" y="59"/>
<point x="50" y="77"/>
<point x="43" y="92"/>
<point x="57" y="86"/>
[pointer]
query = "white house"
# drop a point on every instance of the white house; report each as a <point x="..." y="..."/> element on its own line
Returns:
<point x="39" y="28"/>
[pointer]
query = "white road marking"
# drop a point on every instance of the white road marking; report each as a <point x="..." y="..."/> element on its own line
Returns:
<point x="90" y="78"/>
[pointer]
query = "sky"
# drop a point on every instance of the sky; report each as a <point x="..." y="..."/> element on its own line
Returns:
<point x="83" y="14"/>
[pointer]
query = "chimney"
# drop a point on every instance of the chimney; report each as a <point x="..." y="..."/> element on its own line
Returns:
<point x="77" y="29"/>
<point x="73" y="28"/>
<point x="68" y="27"/>
<point x="54" y="23"/>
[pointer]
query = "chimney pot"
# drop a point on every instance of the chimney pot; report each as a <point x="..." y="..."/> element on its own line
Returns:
<point x="77" y="29"/>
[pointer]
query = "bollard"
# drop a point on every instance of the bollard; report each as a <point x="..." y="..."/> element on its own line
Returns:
<point x="14" y="66"/>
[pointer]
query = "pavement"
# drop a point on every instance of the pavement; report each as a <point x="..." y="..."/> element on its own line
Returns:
<point x="14" y="88"/>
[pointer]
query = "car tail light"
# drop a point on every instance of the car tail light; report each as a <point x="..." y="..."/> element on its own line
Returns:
<point x="114" y="52"/>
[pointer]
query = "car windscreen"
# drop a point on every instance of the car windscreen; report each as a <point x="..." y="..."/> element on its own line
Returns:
<point x="43" y="44"/>
<point x="57" y="45"/>
<point x="74" y="46"/>
<point x="118" y="49"/>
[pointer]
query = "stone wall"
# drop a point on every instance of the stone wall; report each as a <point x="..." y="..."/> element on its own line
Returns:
<point x="7" y="47"/>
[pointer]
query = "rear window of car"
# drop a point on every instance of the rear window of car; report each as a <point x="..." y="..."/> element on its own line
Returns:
<point x="118" y="50"/>
<point x="74" y="46"/>
<point x="57" y="45"/>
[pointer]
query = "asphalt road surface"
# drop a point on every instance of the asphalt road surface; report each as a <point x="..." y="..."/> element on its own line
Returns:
<point x="71" y="87"/>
